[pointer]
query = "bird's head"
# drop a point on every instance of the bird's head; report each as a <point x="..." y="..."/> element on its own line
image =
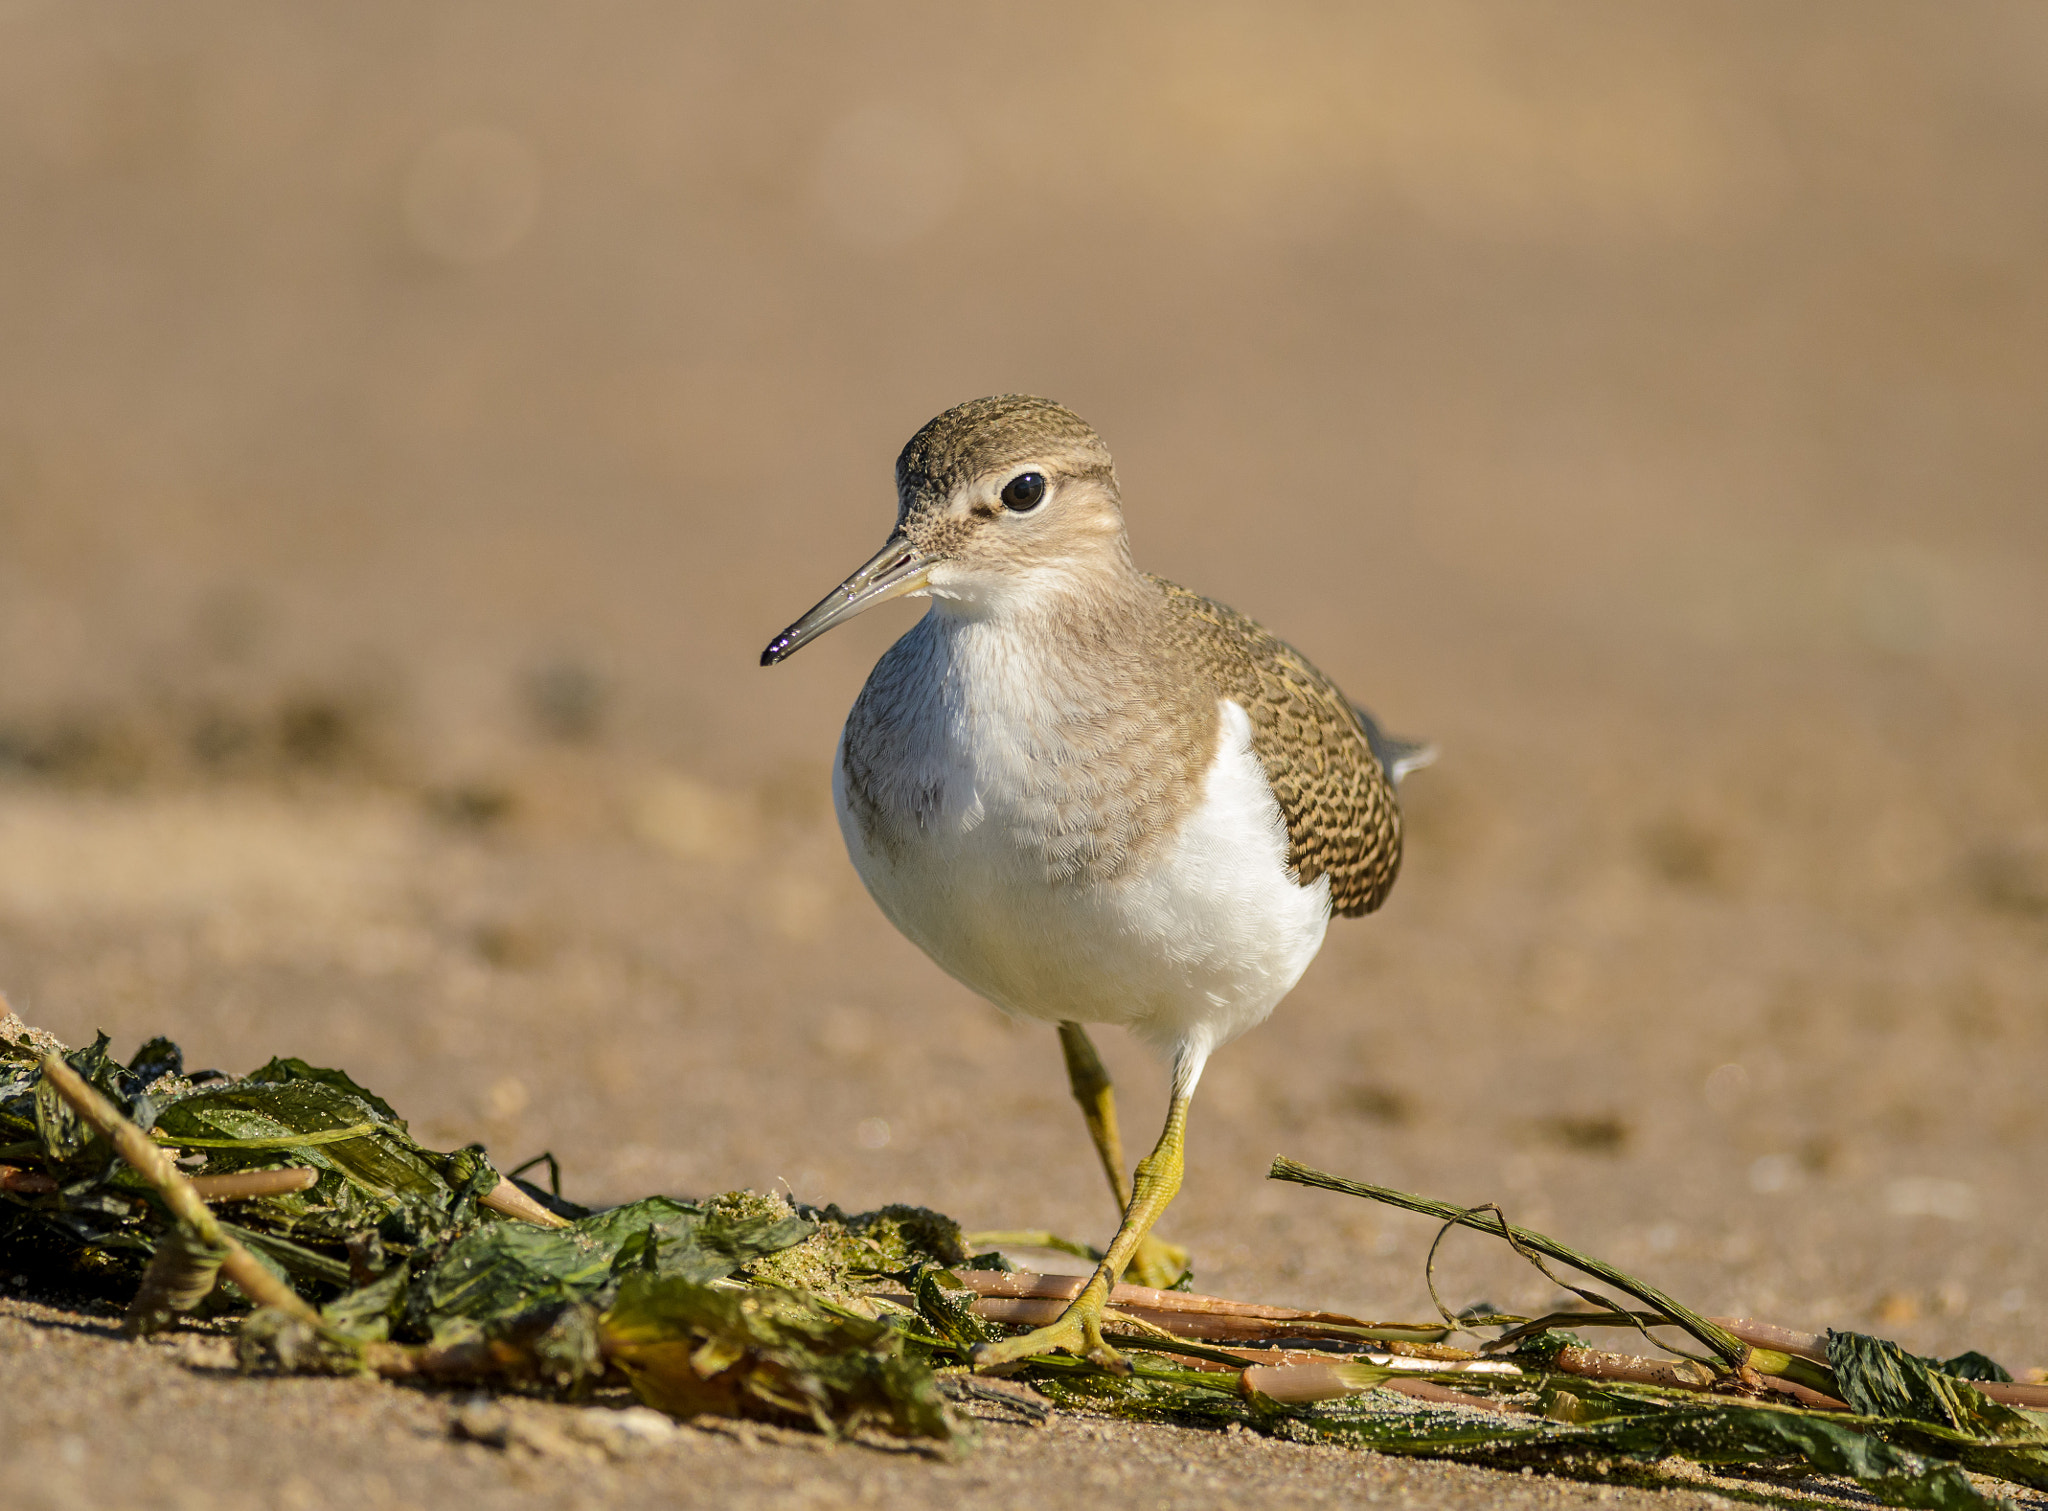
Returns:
<point x="999" y="502"/>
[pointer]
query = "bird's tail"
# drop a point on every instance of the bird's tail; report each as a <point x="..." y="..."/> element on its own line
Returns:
<point x="1396" y="757"/>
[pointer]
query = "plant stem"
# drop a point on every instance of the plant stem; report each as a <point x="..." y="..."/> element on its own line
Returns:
<point x="1784" y="1339"/>
<point x="276" y="1141"/>
<point x="507" y="1200"/>
<point x="1188" y="1314"/>
<point x="245" y="1184"/>
<point x="1032" y="1238"/>
<point x="1719" y="1339"/>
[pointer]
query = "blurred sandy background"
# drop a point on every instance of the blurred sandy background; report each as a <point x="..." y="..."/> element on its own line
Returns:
<point x="414" y="419"/>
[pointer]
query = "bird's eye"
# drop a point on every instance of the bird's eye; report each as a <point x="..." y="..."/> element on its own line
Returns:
<point x="1024" y="492"/>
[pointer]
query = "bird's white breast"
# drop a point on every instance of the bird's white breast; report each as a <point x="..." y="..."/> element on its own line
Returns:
<point x="1188" y="949"/>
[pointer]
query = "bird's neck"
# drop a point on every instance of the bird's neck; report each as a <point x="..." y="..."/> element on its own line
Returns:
<point x="1078" y="606"/>
<point x="1061" y="663"/>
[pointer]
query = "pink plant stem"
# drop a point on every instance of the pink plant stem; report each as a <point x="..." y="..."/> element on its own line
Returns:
<point x="246" y="1184"/>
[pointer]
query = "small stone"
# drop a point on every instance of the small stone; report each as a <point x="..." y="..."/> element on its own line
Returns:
<point x="481" y="1420"/>
<point x="625" y="1431"/>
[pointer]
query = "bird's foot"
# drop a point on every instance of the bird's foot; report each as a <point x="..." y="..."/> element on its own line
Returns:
<point x="1076" y="1331"/>
<point x="1159" y="1264"/>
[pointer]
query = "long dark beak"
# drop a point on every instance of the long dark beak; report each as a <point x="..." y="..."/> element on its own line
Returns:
<point x="898" y="568"/>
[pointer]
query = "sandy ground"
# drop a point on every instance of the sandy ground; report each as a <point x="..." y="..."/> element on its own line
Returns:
<point x="413" y="421"/>
<point x="315" y="1443"/>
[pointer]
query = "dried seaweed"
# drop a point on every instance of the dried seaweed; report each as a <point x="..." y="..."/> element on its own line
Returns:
<point x="761" y="1351"/>
<point x="1912" y="1429"/>
<point x="420" y="1274"/>
<point x="403" y="1261"/>
<point x="375" y="1183"/>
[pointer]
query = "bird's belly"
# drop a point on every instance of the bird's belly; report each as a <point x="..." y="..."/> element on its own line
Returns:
<point x="1196" y="944"/>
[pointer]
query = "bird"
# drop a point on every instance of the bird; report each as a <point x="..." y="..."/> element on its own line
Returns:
<point x="1091" y="795"/>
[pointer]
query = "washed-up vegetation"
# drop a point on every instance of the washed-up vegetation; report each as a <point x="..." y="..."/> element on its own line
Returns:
<point x="297" y="1201"/>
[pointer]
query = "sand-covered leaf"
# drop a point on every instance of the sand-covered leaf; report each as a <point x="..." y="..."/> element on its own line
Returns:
<point x="692" y="1350"/>
<point x="29" y="1107"/>
<point x="502" y="1269"/>
<point x="843" y="1255"/>
<point x="951" y="1319"/>
<point x="374" y="1182"/>
<point x="1971" y="1365"/>
<point x="1936" y="1412"/>
<point x="1880" y="1379"/>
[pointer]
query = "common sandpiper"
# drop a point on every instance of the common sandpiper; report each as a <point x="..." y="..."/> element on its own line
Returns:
<point x="1090" y="795"/>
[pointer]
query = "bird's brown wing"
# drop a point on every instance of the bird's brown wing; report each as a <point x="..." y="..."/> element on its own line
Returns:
<point x="1343" y="820"/>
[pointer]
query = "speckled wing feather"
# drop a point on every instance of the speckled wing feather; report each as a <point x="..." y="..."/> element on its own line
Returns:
<point x="1343" y="820"/>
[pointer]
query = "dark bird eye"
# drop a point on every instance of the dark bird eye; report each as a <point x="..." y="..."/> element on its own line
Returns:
<point x="1024" y="492"/>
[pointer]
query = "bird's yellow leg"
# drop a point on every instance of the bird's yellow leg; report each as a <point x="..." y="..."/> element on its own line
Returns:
<point x="1078" y="1329"/>
<point x="1090" y="1082"/>
<point x="1155" y="1262"/>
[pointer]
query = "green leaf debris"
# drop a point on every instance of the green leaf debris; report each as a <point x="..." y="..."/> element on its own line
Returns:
<point x="365" y="1251"/>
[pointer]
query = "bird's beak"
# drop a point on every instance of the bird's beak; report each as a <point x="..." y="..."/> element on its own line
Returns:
<point x="897" y="569"/>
